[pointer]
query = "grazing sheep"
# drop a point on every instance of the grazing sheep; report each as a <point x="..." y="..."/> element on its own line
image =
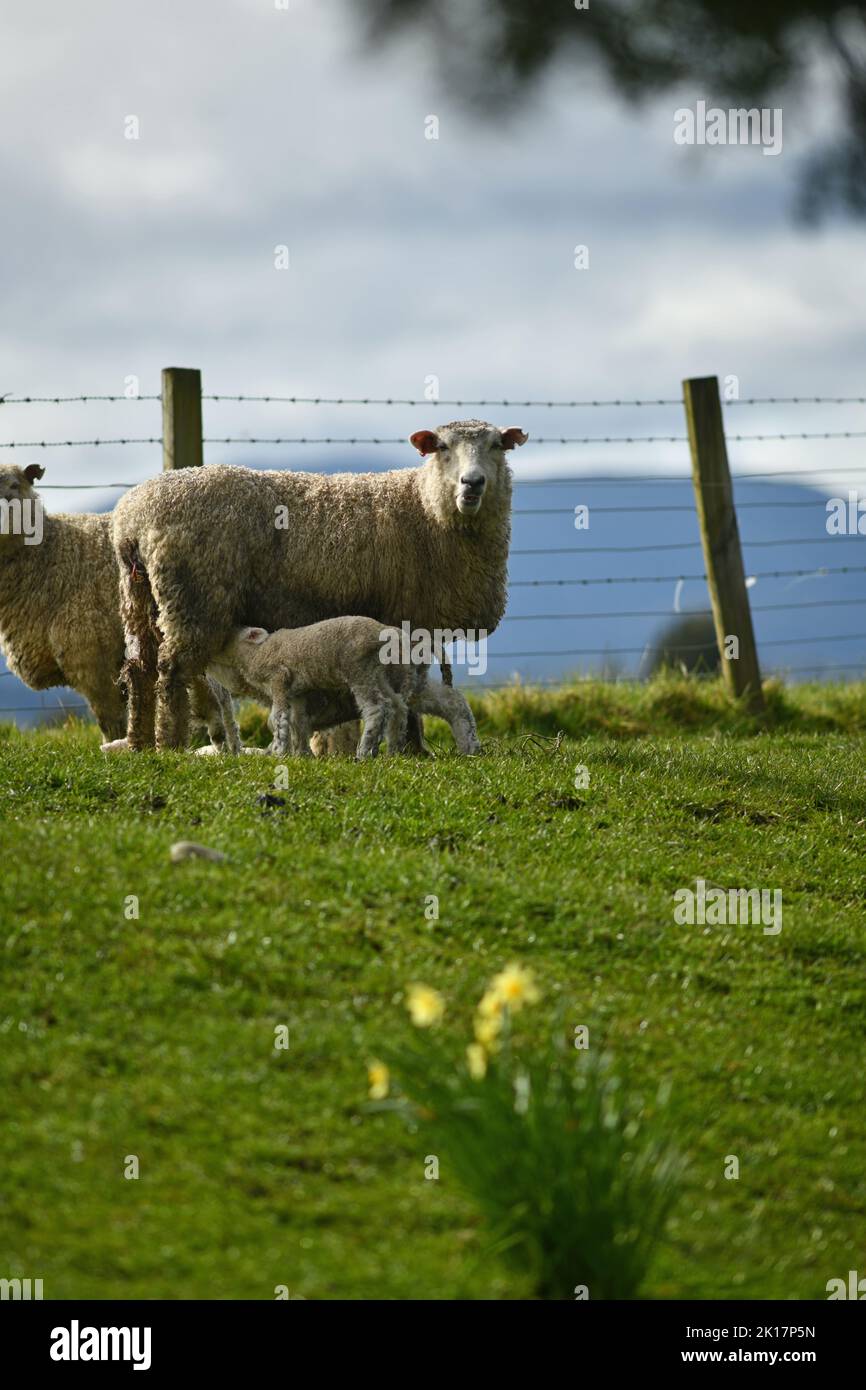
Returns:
<point x="204" y="550"/>
<point x="60" y="611"/>
<point x="303" y="673"/>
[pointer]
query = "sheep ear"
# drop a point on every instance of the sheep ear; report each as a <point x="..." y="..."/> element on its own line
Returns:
<point x="513" y="435"/>
<point x="254" y="635"/>
<point x="425" y="441"/>
<point x="33" y="471"/>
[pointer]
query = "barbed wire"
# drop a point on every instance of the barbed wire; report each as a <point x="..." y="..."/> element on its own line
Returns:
<point x="672" y="545"/>
<point x="618" y="678"/>
<point x="651" y="646"/>
<point x="683" y="613"/>
<point x="797" y="400"/>
<point x="504" y="402"/>
<point x="73" y="443"/>
<point x="684" y="578"/>
<point x="548" y="439"/>
<point x="654" y="507"/>
<point x="355" y="441"/>
<point x="591" y="480"/>
<point x="64" y="400"/>
<point x="408" y="400"/>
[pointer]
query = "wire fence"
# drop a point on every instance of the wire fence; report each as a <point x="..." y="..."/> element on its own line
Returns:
<point x="566" y="476"/>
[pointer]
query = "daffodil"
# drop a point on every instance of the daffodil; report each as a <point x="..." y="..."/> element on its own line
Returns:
<point x="515" y="986"/>
<point x="487" y="1030"/>
<point x="426" y="1006"/>
<point x="490" y="1006"/>
<point x="476" y="1058"/>
<point x="379" y="1079"/>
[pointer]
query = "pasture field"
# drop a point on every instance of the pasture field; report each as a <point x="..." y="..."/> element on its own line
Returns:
<point x="154" y="1036"/>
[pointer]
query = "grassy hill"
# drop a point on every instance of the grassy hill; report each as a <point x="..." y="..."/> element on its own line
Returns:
<point x="153" y="1036"/>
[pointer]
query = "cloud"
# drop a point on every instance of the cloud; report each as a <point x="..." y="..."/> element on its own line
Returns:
<point x="409" y="257"/>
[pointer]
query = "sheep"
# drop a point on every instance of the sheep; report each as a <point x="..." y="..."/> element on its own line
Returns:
<point x="303" y="672"/>
<point x="60" y="610"/>
<point x="59" y="605"/>
<point x="204" y="550"/>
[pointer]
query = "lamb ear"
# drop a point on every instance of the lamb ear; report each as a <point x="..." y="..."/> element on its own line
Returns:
<point x="513" y="435"/>
<point x="253" y="635"/>
<point x="425" y="441"/>
<point x="33" y="471"/>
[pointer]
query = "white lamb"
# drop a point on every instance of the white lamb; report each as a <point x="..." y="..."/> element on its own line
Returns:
<point x="307" y="673"/>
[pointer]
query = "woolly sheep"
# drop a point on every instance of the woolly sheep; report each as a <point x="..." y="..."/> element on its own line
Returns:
<point x="204" y="550"/>
<point x="60" y="614"/>
<point x="297" y="670"/>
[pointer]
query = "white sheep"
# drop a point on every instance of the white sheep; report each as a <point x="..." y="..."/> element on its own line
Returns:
<point x="203" y="549"/>
<point x="305" y="674"/>
<point x="60" y="610"/>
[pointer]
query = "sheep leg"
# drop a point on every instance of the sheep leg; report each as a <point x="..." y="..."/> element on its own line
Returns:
<point x="301" y="729"/>
<point x="138" y="673"/>
<point x="395" y="727"/>
<point x="396" y="714"/>
<point x="109" y="709"/>
<point x="174" y="675"/>
<point x="211" y="705"/>
<point x="449" y="704"/>
<point x="228" y="719"/>
<point x="281" y="725"/>
<point x="414" y="742"/>
<point x="373" y="708"/>
<point x="290" y="727"/>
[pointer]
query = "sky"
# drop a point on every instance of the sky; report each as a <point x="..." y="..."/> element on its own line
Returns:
<point x="409" y="258"/>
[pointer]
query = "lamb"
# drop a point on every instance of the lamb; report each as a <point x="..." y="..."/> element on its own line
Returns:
<point x="60" y="609"/>
<point x="205" y="550"/>
<point x="297" y="670"/>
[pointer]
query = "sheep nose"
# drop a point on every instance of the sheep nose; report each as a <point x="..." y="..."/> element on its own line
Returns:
<point x="475" y="482"/>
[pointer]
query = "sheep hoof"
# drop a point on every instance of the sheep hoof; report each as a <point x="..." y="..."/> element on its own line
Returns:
<point x="116" y="745"/>
<point x="188" y="849"/>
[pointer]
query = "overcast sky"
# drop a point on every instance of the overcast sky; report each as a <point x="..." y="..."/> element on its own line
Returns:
<point x="409" y="257"/>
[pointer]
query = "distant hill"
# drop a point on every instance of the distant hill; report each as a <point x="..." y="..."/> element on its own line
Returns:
<point x="807" y="624"/>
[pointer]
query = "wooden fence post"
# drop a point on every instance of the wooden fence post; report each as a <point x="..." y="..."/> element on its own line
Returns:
<point x="720" y="538"/>
<point x="181" y="418"/>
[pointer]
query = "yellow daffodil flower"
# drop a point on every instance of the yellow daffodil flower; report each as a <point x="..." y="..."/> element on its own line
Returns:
<point x="379" y="1079"/>
<point x="426" y="1006"/>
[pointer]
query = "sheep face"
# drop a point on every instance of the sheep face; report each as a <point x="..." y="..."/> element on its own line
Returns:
<point x="16" y="489"/>
<point x="467" y="458"/>
<point x="230" y="667"/>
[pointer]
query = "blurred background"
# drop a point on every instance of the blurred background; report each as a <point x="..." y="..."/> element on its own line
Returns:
<point x="445" y="205"/>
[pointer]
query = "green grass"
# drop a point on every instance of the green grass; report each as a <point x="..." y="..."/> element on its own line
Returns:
<point x="155" y="1037"/>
